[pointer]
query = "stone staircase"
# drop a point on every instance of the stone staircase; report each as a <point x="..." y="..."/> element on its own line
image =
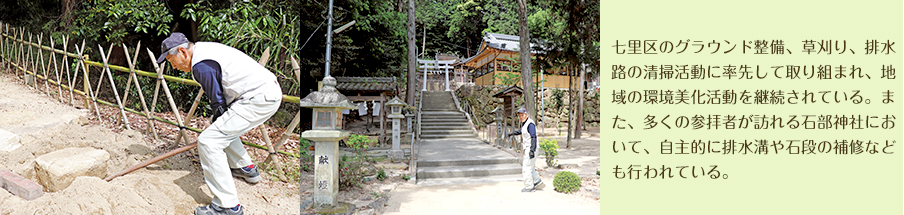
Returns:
<point x="449" y="151"/>
<point x="441" y="119"/>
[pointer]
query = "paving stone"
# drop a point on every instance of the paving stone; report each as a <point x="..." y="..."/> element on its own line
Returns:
<point x="56" y="170"/>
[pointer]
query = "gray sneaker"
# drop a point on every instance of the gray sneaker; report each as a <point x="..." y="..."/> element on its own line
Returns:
<point x="213" y="209"/>
<point x="539" y="184"/>
<point x="525" y="190"/>
<point x="249" y="173"/>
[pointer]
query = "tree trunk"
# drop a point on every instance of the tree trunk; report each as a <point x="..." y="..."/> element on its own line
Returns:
<point x="580" y="103"/>
<point x="526" y="80"/>
<point x="570" y="106"/>
<point x="412" y="60"/>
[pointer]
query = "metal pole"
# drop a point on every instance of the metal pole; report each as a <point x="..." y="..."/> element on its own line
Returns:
<point x="329" y="38"/>
<point x="542" y="112"/>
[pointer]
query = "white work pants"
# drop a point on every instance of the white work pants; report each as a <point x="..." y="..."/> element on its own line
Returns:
<point x="528" y="172"/>
<point x="222" y="149"/>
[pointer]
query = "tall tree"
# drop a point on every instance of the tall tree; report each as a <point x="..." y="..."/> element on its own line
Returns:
<point x="525" y="51"/>
<point x="576" y="45"/>
<point x="412" y="60"/>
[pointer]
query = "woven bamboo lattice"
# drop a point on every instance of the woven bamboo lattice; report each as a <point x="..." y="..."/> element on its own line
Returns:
<point x="23" y="53"/>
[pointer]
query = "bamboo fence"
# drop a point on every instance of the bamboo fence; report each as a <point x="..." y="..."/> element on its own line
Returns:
<point x="20" y="54"/>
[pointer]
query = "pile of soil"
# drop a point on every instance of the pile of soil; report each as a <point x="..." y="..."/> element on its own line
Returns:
<point x="173" y="186"/>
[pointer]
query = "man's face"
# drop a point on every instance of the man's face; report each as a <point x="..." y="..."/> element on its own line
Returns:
<point x="522" y="116"/>
<point x="180" y="60"/>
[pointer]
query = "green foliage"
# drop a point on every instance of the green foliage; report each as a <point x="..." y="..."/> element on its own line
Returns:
<point x="359" y="142"/>
<point x="305" y="154"/>
<point x="381" y="175"/>
<point x="351" y="172"/>
<point x="566" y="182"/>
<point x="406" y="177"/>
<point x="597" y="172"/>
<point x="573" y="36"/>
<point x="114" y="20"/>
<point x="351" y="169"/>
<point x="508" y="78"/>
<point x="246" y="27"/>
<point x="550" y="149"/>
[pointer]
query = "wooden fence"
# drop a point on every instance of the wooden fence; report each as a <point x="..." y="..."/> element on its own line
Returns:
<point x="23" y="53"/>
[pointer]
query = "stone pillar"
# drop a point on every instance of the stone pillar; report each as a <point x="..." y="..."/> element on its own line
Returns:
<point x="327" y="105"/>
<point x="410" y="120"/>
<point x="425" y="77"/>
<point x="500" y="125"/>
<point x="447" y="76"/>
<point x="326" y="164"/>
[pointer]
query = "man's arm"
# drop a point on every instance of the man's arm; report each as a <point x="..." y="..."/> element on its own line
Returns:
<point x="516" y="132"/>
<point x="208" y="74"/>
<point x="532" y="130"/>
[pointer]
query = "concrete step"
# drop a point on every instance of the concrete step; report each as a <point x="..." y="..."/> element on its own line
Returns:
<point x="468" y="180"/>
<point x="467" y="171"/>
<point x="443" y="116"/>
<point x="468" y="162"/>
<point x="463" y="126"/>
<point x="437" y="132"/>
<point x="465" y="120"/>
<point x="445" y="136"/>
<point x="462" y="118"/>
<point x="450" y="106"/>
<point x="439" y="124"/>
<point x="439" y="109"/>
<point x="442" y="113"/>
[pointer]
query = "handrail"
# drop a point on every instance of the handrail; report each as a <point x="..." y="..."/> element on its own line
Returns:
<point x="458" y="105"/>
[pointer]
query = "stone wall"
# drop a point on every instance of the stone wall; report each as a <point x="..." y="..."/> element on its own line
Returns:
<point x="481" y="103"/>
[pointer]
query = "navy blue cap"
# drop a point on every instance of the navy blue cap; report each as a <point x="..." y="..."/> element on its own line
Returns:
<point x="522" y="110"/>
<point x="173" y="40"/>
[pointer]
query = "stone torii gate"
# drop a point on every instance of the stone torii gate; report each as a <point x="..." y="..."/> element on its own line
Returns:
<point x="435" y="66"/>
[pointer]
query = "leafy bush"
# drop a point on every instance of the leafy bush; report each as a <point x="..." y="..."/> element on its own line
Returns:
<point x="508" y="78"/>
<point x="306" y="154"/>
<point x="351" y="169"/>
<point x="597" y="172"/>
<point x="359" y="142"/>
<point x="406" y="177"/>
<point x="351" y="172"/>
<point x="381" y="175"/>
<point x="550" y="150"/>
<point x="114" y="20"/>
<point x="566" y="182"/>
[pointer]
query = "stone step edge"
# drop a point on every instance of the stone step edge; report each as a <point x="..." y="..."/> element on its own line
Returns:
<point x="468" y="162"/>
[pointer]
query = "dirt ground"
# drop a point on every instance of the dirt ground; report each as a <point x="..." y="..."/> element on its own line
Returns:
<point x="175" y="185"/>
<point x="506" y="197"/>
<point x="172" y="186"/>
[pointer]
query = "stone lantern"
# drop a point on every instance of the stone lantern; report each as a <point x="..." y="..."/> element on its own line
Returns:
<point x="396" y="104"/>
<point x="327" y="105"/>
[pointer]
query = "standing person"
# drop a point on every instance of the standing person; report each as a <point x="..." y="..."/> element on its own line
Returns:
<point x="243" y="94"/>
<point x="528" y="134"/>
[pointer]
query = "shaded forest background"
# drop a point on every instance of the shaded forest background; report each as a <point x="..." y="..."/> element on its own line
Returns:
<point x="374" y="46"/>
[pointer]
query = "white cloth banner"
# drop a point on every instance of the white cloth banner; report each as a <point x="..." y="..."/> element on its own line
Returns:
<point x="362" y="108"/>
<point x="376" y="108"/>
